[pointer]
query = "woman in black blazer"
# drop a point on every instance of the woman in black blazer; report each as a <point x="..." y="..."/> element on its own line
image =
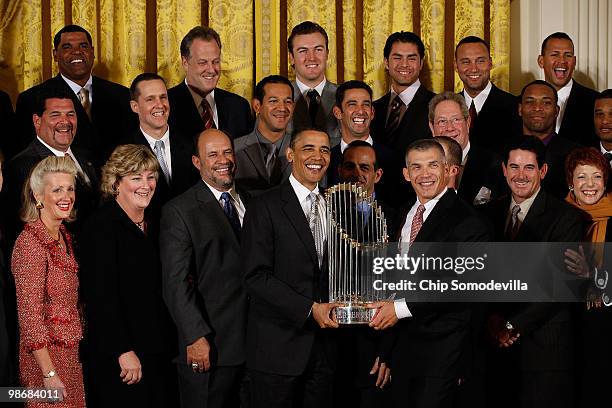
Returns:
<point x="129" y="332"/>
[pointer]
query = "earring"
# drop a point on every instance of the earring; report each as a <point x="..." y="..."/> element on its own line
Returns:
<point x="39" y="205"/>
<point x="571" y="188"/>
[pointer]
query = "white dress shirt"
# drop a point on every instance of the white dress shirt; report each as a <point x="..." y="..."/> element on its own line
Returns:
<point x="305" y="88"/>
<point x="525" y="206"/>
<point x="303" y="195"/>
<point x="480" y="99"/>
<point x="210" y="98"/>
<point x="407" y="95"/>
<point x="563" y="95"/>
<point x="235" y="199"/>
<point x="166" y="139"/>
<point x="76" y="87"/>
<point x="344" y="145"/>
<point x="59" y="153"/>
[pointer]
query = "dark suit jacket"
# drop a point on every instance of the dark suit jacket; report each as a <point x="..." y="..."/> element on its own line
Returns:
<point x="251" y="173"/>
<point x="546" y="335"/>
<point x="432" y="342"/>
<point x="556" y="152"/>
<point x="498" y="121"/>
<point x="283" y="279"/>
<point x="184" y="173"/>
<point x="577" y="124"/>
<point x="121" y="286"/>
<point x="233" y="111"/>
<point x="111" y="115"/>
<point x="482" y="169"/>
<point x="202" y="277"/>
<point x="7" y="118"/>
<point x="325" y="116"/>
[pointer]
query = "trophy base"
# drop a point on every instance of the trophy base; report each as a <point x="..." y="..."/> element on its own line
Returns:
<point x="354" y="314"/>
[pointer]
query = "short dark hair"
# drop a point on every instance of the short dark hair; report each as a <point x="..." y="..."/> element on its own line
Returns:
<point x="199" y="32"/>
<point x="558" y="35"/>
<point x="71" y="28"/>
<point x="298" y="131"/>
<point x="259" y="92"/>
<point x="145" y="76"/>
<point x="352" y="84"/>
<point x="528" y="143"/>
<point x="455" y="153"/>
<point x="472" y="39"/>
<point x="360" y="143"/>
<point x="538" y="82"/>
<point x="306" y="27"/>
<point x="605" y="94"/>
<point x="586" y="156"/>
<point x="51" y="92"/>
<point x="405" y="37"/>
<point x="422" y="145"/>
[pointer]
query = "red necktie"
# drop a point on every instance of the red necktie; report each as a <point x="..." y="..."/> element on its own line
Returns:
<point x="207" y="116"/>
<point x="417" y="222"/>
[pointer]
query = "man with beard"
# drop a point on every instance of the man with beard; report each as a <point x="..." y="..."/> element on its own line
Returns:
<point x="538" y="110"/>
<point x="487" y="103"/>
<point x="575" y="101"/>
<point x="202" y="286"/>
<point x="260" y="155"/>
<point x="603" y="123"/>
<point x="102" y="107"/>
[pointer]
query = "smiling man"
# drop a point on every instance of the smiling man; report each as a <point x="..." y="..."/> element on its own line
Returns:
<point x="603" y="122"/>
<point x="95" y="99"/>
<point x="197" y="102"/>
<point x="261" y="155"/>
<point x="558" y="60"/>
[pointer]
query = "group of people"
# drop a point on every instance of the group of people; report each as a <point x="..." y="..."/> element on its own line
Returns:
<point x="167" y="247"/>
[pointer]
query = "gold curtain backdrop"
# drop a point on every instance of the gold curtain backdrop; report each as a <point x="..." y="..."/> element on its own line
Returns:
<point x="133" y="36"/>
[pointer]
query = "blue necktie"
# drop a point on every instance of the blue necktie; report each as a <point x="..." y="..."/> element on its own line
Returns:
<point x="230" y="213"/>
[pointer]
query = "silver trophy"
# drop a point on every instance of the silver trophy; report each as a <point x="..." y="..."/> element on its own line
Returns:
<point x="357" y="234"/>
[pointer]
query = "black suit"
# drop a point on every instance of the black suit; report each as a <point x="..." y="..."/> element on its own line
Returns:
<point x="184" y="173"/>
<point x="111" y="115"/>
<point x="324" y="119"/>
<point x="497" y="122"/>
<point x="577" y="124"/>
<point x="121" y="287"/>
<point x="429" y="354"/>
<point x="7" y="118"/>
<point x="482" y="169"/>
<point x="545" y="348"/>
<point x="556" y="151"/>
<point x="233" y="111"/>
<point x="203" y="290"/>
<point x="283" y="278"/>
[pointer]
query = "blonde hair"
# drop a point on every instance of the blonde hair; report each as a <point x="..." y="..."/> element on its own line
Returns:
<point x="126" y="159"/>
<point x="35" y="184"/>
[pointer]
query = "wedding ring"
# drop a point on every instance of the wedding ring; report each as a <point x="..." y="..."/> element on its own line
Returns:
<point x="195" y="366"/>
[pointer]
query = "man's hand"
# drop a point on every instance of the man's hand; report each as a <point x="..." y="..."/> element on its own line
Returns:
<point x="198" y="353"/>
<point x="384" y="373"/>
<point x="385" y="316"/>
<point x="500" y="334"/>
<point x="321" y="312"/>
<point x="131" y="369"/>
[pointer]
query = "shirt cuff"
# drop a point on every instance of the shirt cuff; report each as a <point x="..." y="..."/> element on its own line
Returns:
<point x="401" y="308"/>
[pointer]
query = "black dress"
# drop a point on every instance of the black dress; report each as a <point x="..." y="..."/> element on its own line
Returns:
<point x="121" y="290"/>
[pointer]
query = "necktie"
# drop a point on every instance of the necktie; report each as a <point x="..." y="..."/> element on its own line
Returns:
<point x="473" y="115"/>
<point x="159" y="153"/>
<point x="513" y="224"/>
<point x="272" y="162"/>
<point x="80" y="174"/>
<point x="84" y="98"/>
<point x="608" y="157"/>
<point x="395" y="113"/>
<point x="231" y="213"/>
<point x="207" y="116"/>
<point x="313" y="105"/>
<point x="316" y="226"/>
<point x="417" y="222"/>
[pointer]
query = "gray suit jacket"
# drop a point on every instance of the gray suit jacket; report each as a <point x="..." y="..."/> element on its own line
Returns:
<point x="325" y="117"/>
<point x="251" y="173"/>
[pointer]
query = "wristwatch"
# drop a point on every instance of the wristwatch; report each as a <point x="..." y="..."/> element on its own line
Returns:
<point x="49" y="374"/>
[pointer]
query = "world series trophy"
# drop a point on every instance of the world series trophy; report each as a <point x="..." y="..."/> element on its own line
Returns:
<point x="357" y="233"/>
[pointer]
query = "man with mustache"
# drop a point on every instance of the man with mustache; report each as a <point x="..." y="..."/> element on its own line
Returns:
<point x="197" y="103"/>
<point x="538" y="110"/>
<point x="261" y="155"/>
<point x="558" y="61"/>
<point x="102" y="107"/>
<point x="202" y="277"/>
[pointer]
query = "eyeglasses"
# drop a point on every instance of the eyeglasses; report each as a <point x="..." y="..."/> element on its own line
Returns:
<point x="445" y="122"/>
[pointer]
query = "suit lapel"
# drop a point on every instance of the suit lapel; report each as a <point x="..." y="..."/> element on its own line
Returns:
<point x="210" y="206"/>
<point x="297" y="219"/>
<point x="253" y="152"/>
<point x="532" y="221"/>
<point x="220" y="105"/>
<point x="436" y="218"/>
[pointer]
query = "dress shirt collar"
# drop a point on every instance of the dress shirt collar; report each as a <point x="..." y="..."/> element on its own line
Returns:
<point x="56" y="152"/>
<point x="232" y="192"/>
<point x="198" y="96"/>
<point x="407" y="94"/>
<point x="465" y="153"/>
<point x="429" y="205"/>
<point x="344" y="145"/>
<point x="151" y="140"/>
<point x="301" y="191"/>
<point x="549" y="138"/>
<point x="305" y="88"/>
<point x="564" y="93"/>
<point x="480" y="99"/>
<point x="76" y="87"/>
<point x="603" y="149"/>
<point x="525" y="205"/>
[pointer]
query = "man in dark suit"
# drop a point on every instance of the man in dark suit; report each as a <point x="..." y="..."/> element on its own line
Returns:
<point x="197" y="103"/>
<point x="102" y="107"/>
<point x="488" y="105"/>
<point x="543" y="330"/>
<point x="55" y="123"/>
<point x="603" y="122"/>
<point x="401" y="114"/>
<point x="429" y="354"/>
<point x="480" y="178"/>
<point x="290" y="358"/>
<point x="313" y="94"/>
<point x="575" y="101"/>
<point x="538" y="110"/>
<point x="149" y="100"/>
<point x="7" y="117"/>
<point x="202" y="278"/>
<point x="260" y="156"/>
